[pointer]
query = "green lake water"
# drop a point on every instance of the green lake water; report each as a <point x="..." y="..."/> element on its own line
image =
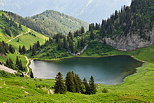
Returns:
<point x="106" y="70"/>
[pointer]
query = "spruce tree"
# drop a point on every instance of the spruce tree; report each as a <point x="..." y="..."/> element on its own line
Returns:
<point x="92" y="37"/>
<point x="77" y="82"/>
<point x="82" y="30"/>
<point x="23" y="50"/>
<point x="11" y="49"/>
<point x="92" y="85"/>
<point x="59" y="87"/>
<point x="20" y="50"/>
<point x="9" y="63"/>
<point x="70" y="82"/>
<point x="86" y="84"/>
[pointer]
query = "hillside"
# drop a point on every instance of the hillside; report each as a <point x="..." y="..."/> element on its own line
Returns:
<point x="51" y="22"/>
<point x="13" y="35"/>
<point x="126" y="30"/>
<point x="136" y="88"/>
<point x="131" y="28"/>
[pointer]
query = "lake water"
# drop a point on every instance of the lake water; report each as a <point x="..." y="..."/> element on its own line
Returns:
<point x="107" y="70"/>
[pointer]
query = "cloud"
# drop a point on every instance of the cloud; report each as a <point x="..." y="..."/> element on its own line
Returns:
<point x="83" y="9"/>
<point x="89" y="2"/>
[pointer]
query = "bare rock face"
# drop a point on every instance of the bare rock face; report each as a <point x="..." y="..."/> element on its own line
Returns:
<point x="131" y="41"/>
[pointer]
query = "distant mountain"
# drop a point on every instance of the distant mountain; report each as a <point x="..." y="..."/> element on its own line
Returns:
<point x="128" y="29"/>
<point x="87" y="10"/>
<point x="51" y="22"/>
<point x="16" y="34"/>
<point x="55" y="22"/>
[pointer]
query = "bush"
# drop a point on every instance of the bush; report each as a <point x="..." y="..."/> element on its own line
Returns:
<point x="104" y="91"/>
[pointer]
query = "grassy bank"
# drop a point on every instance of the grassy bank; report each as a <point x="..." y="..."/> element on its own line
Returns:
<point x="136" y="88"/>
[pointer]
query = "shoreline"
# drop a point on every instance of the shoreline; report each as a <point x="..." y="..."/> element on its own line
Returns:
<point x="58" y="59"/>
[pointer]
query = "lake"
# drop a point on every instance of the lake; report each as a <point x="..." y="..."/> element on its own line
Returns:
<point x="106" y="70"/>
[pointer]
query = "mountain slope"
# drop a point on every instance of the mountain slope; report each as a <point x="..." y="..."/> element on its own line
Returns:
<point x="13" y="35"/>
<point x="56" y="22"/>
<point x="132" y="27"/>
<point x="51" y="22"/>
<point x="129" y="29"/>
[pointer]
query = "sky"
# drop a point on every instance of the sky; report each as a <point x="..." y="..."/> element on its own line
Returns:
<point x="88" y="10"/>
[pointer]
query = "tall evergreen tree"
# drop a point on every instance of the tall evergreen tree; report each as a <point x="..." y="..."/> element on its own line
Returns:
<point x="86" y="84"/>
<point x="70" y="82"/>
<point x="82" y="30"/>
<point x="11" y="49"/>
<point x="92" y="85"/>
<point x="77" y="82"/>
<point x="23" y="50"/>
<point x="59" y="87"/>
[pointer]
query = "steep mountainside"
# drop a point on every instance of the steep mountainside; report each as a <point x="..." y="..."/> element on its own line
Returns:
<point x="14" y="35"/>
<point x="130" y="28"/>
<point x="51" y="22"/>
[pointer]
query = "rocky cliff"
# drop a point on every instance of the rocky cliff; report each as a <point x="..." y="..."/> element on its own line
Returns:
<point x="131" y="41"/>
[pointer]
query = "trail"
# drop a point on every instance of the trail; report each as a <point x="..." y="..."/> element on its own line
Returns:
<point x="27" y="66"/>
<point x="6" y="69"/>
<point x="79" y="53"/>
<point x="18" y="36"/>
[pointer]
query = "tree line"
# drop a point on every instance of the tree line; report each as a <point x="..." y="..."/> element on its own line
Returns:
<point x="16" y="66"/>
<point x="136" y="19"/>
<point x="9" y="26"/>
<point x="6" y="48"/>
<point x="73" y="83"/>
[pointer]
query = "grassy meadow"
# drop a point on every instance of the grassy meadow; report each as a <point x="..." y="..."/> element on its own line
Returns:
<point x="136" y="88"/>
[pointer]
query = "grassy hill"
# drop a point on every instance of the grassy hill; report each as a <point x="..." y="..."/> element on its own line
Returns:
<point x="15" y="34"/>
<point x="51" y="22"/>
<point x="137" y="88"/>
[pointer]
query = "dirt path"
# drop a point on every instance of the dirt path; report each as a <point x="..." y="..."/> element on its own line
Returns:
<point x="79" y="53"/>
<point x="18" y="36"/>
<point x="27" y="65"/>
<point x="6" y="69"/>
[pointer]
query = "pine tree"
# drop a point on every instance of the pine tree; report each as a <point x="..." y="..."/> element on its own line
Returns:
<point x="11" y="49"/>
<point x="70" y="82"/>
<point x="92" y="85"/>
<point x="20" y="50"/>
<point x="38" y="45"/>
<point x="23" y="50"/>
<point x="77" y="82"/>
<point x="82" y="88"/>
<point x="59" y="87"/>
<point x="65" y="44"/>
<point x="92" y="37"/>
<point x="19" y="64"/>
<point x="9" y="63"/>
<point x="82" y="30"/>
<point x="86" y="84"/>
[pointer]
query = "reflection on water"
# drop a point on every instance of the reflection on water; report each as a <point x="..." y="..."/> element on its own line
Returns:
<point x="107" y="70"/>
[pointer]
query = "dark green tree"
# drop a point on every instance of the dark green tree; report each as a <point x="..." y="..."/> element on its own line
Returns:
<point x="11" y="49"/>
<point x="92" y="85"/>
<point x="92" y="36"/>
<point x="59" y="87"/>
<point x="9" y="63"/>
<point x="70" y="82"/>
<point x="82" y="30"/>
<point x="86" y="84"/>
<point x="23" y="50"/>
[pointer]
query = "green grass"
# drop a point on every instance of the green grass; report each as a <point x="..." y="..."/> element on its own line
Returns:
<point x="136" y="88"/>
<point x="28" y="40"/>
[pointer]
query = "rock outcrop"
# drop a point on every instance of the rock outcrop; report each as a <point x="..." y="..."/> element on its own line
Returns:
<point x="131" y="41"/>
